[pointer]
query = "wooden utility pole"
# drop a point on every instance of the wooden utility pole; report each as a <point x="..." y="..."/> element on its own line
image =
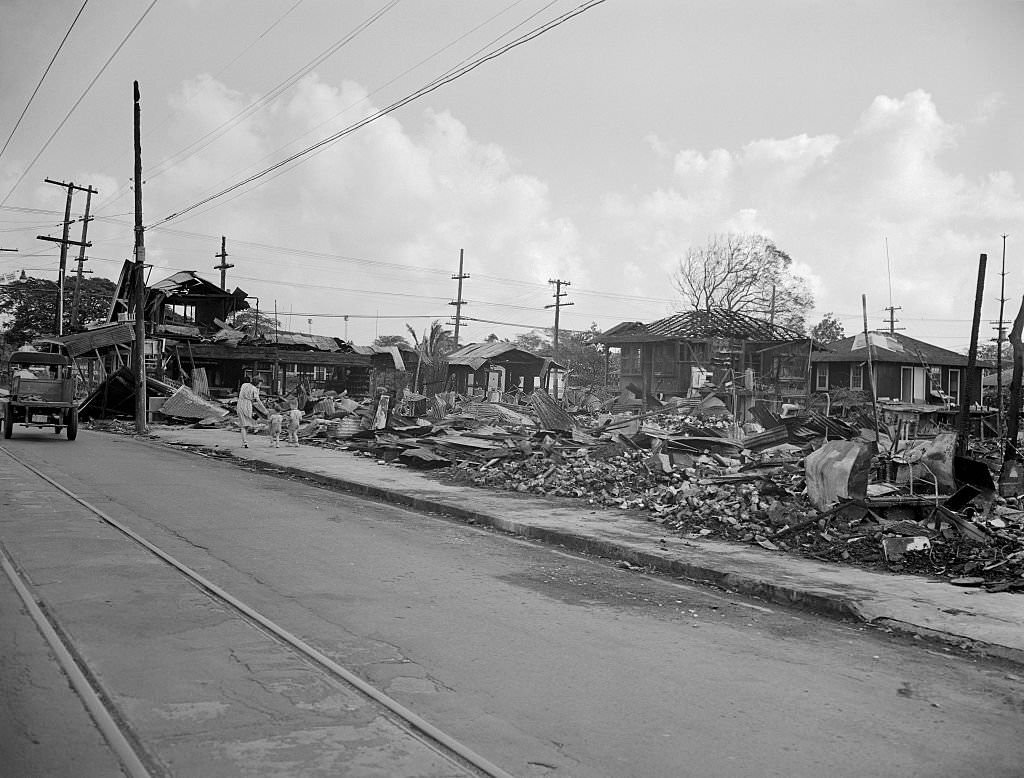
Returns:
<point x="871" y="367"/>
<point x="64" y="243"/>
<point x="557" y="305"/>
<point x="223" y="266"/>
<point x="999" y="345"/>
<point x="964" y="418"/>
<point x="459" y="302"/>
<point x="82" y="259"/>
<point x="141" y="403"/>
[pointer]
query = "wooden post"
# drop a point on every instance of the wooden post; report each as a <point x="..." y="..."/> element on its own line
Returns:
<point x="964" y="418"/>
<point x="140" y="279"/>
<point x="871" y="367"/>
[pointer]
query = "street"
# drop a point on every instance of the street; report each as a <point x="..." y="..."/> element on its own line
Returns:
<point x="544" y="662"/>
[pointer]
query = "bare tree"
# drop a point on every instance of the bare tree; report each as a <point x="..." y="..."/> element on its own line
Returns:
<point x="745" y="274"/>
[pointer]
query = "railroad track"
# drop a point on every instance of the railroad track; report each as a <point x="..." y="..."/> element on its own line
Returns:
<point x="115" y="725"/>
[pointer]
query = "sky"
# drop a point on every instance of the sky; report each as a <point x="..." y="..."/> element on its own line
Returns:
<point x="877" y="143"/>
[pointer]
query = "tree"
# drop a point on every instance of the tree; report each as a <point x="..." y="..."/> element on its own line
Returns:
<point x="28" y="308"/>
<point x="254" y="323"/>
<point x="746" y="274"/>
<point x="435" y="343"/>
<point x="577" y="352"/>
<point x="828" y="330"/>
<point x="383" y="341"/>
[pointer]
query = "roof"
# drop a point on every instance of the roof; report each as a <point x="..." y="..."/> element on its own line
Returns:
<point x="700" y="324"/>
<point x="475" y="355"/>
<point x="233" y="337"/>
<point x="891" y="347"/>
<point x="189" y="283"/>
<point x="395" y="352"/>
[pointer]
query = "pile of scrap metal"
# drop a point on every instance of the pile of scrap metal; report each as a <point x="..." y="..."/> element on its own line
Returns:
<point x="115" y="397"/>
<point x="809" y="484"/>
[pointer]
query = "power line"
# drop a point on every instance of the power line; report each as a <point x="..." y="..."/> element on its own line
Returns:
<point x="432" y="86"/>
<point x="42" y="78"/>
<point x="77" y="102"/>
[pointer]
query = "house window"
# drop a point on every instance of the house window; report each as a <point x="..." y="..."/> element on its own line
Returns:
<point x="857" y="376"/>
<point x="630" y="360"/>
<point x="954" y="386"/>
<point x="320" y="372"/>
<point x="912" y="384"/>
<point x="821" y="382"/>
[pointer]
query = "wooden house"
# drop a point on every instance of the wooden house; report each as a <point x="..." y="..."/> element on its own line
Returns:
<point x="742" y="359"/>
<point x="499" y="367"/>
<point x="906" y="370"/>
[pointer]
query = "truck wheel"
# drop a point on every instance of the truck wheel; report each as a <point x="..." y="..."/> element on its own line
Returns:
<point x="73" y="424"/>
<point x="8" y="424"/>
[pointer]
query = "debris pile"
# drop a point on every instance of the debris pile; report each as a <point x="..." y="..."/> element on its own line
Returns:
<point x="808" y="484"/>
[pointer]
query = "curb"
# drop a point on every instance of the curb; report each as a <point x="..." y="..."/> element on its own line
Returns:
<point x="818" y="602"/>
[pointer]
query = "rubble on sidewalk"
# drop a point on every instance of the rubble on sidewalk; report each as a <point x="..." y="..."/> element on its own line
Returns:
<point x="807" y="484"/>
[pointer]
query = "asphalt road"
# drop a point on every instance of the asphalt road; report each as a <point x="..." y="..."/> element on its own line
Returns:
<point x="544" y="662"/>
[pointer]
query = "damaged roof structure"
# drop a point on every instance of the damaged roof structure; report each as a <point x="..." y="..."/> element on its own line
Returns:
<point x="699" y="352"/>
<point x="498" y="366"/>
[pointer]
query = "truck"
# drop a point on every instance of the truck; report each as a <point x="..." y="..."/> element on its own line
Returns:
<point x="42" y="392"/>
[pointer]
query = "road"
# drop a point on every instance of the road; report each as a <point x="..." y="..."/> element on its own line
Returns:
<point x="544" y="662"/>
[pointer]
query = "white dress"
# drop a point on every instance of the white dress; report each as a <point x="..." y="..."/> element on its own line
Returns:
<point x="247" y="396"/>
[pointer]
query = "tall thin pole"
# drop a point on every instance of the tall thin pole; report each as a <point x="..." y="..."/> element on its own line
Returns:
<point x="140" y="278"/>
<point x="59" y="329"/>
<point x="459" y="302"/>
<point x="223" y="266"/>
<point x="871" y="366"/>
<point x="557" y="305"/>
<point x="999" y="344"/>
<point x="81" y="259"/>
<point x="964" y="418"/>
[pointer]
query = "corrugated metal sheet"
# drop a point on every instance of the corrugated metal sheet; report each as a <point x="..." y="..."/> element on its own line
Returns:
<point x="186" y="404"/>
<point x="913" y="351"/>
<point x="83" y="342"/>
<point x="552" y="415"/>
<point x="475" y="355"/>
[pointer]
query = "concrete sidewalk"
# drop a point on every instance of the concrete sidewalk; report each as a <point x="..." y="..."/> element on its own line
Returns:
<point x="992" y="624"/>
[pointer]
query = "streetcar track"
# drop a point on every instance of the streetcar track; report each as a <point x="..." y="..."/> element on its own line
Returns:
<point x="410" y="722"/>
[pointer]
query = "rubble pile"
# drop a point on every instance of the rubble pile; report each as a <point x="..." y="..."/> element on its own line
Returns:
<point x="690" y="468"/>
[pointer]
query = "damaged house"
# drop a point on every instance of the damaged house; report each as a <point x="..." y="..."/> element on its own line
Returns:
<point x="914" y="381"/>
<point x="743" y="359"/>
<point x="500" y="367"/>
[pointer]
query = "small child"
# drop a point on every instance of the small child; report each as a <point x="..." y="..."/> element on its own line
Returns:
<point x="294" y="419"/>
<point x="276" y="421"/>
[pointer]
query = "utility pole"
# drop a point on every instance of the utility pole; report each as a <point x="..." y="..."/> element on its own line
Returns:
<point x="223" y="266"/>
<point x="557" y="305"/>
<point x="892" y="319"/>
<point x="459" y="302"/>
<point x="82" y="259"/>
<point x="141" y="403"/>
<point x="64" y="243"/>
<point x="999" y="343"/>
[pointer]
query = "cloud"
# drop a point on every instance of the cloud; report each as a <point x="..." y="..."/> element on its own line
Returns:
<point x="831" y="200"/>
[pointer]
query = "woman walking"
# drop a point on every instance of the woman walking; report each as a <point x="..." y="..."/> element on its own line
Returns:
<point x="248" y="399"/>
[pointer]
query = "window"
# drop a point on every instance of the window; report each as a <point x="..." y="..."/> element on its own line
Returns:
<point x="954" y="386"/>
<point x="912" y="384"/>
<point x="857" y="376"/>
<point x="320" y="372"/>
<point x="630" y="360"/>
<point x="821" y="383"/>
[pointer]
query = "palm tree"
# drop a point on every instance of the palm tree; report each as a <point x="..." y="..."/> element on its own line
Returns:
<point x="436" y="342"/>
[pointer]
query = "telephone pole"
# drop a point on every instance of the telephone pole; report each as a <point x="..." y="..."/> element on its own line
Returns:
<point x="82" y="259"/>
<point x="141" y="403"/>
<point x="64" y="243"/>
<point x="999" y="342"/>
<point x="459" y="302"/>
<point x="223" y="266"/>
<point x="557" y="305"/>
<point x="892" y="319"/>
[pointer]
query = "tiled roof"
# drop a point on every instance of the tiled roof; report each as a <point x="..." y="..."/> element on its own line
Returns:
<point x="700" y="324"/>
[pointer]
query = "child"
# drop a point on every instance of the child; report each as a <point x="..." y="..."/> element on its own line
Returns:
<point x="294" y="418"/>
<point x="276" y="420"/>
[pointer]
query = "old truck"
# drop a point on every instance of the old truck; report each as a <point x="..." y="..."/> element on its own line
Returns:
<point x="42" y="392"/>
